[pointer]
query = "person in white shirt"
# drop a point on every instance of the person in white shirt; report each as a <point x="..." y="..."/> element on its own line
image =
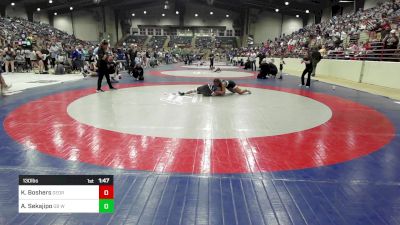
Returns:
<point x="28" y="63"/>
<point x="3" y="86"/>
<point x="54" y="52"/>
<point x="253" y="57"/>
<point x="9" y="58"/>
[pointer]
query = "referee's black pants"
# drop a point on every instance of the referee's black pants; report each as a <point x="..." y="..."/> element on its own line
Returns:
<point x="101" y="74"/>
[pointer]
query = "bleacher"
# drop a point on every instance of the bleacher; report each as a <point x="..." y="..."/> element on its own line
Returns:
<point x="157" y="42"/>
<point x="204" y="42"/>
<point x="136" y="39"/>
<point x="225" y="42"/>
<point x="180" y="41"/>
<point x="376" y="53"/>
<point x="13" y="29"/>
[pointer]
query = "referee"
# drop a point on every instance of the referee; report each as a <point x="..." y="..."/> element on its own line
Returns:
<point x="103" y="67"/>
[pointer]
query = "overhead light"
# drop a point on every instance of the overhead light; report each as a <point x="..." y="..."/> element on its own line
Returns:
<point x="227" y="15"/>
<point x="177" y="12"/>
<point x="286" y="3"/>
<point x="163" y="14"/>
<point x="297" y="16"/>
<point x="133" y="14"/>
<point x="345" y="1"/>
<point x="38" y="9"/>
<point x="196" y="15"/>
<point x="71" y="8"/>
<point x="55" y="14"/>
<point x="276" y="10"/>
<point x="211" y="13"/>
<point x="12" y="3"/>
<point x="145" y="12"/>
<point x="307" y="11"/>
<point x="51" y="1"/>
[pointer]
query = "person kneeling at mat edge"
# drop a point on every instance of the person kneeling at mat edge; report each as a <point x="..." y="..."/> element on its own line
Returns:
<point x="267" y="69"/>
<point x="137" y="71"/>
<point x="113" y="70"/>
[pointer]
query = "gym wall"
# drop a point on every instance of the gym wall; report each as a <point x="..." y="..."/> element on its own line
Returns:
<point x="153" y="17"/>
<point x="268" y="25"/>
<point x="370" y="3"/>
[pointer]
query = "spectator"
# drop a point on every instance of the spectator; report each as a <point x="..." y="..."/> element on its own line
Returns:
<point x="252" y="59"/>
<point x="391" y="41"/>
<point x="77" y="63"/>
<point x="9" y="57"/>
<point x="28" y="63"/>
<point x="54" y="53"/>
<point x="40" y="61"/>
<point x="315" y="59"/>
<point x="3" y="86"/>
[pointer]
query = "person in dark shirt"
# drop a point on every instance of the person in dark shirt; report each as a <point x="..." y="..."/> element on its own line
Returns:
<point x="315" y="59"/>
<point x="132" y="54"/>
<point x="214" y="89"/>
<point x="46" y="55"/>
<point x="308" y="70"/>
<point x="261" y="56"/>
<point x="212" y="60"/>
<point x="391" y="41"/>
<point x="103" y="69"/>
<point x="264" y="70"/>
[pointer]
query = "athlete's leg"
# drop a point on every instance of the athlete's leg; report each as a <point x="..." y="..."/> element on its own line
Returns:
<point x="240" y="91"/>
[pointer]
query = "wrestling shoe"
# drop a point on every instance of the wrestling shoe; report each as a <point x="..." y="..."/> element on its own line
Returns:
<point x="100" y="90"/>
<point x="113" y="89"/>
<point x="181" y="93"/>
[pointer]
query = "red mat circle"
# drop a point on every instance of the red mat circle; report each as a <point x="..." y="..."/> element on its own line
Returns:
<point x="353" y="131"/>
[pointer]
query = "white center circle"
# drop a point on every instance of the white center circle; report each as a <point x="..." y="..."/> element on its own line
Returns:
<point x="157" y="111"/>
<point x="206" y="73"/>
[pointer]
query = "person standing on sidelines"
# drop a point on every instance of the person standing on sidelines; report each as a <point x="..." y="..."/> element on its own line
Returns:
<point x="281" y="63"/>
<point x="315" y="58"/>
<point x="253" y="57"/>
<point x="212" y="57"/>
<point x="308" y="70"/>
<point x="9" y="58"/>
<point x="3" y="86"/>
<point x="103" y="66"/>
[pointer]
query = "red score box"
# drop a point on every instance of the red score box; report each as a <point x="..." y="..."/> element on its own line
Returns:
<point x="106" y="192"/>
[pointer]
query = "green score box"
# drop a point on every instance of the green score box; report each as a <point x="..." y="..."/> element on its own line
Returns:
<point x="106" y="206"/>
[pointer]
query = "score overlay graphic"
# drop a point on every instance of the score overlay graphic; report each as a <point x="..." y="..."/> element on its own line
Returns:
<point x="66" y="194"/>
